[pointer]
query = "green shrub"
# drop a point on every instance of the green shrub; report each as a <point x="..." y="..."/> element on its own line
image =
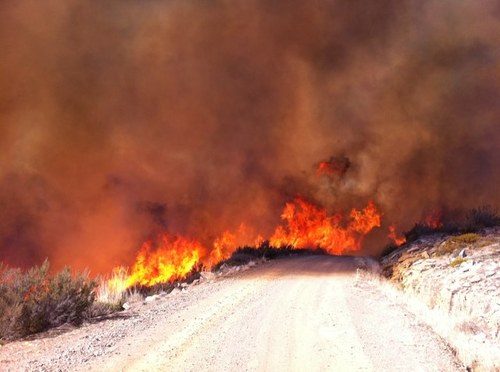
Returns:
<point x="33" y="301"/>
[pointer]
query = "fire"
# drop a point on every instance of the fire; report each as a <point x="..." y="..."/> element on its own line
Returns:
<point x="393" y="235"/>
<point x="168" y="258"/>
<point x="229" y="241"/>
<point x="434" y="219"/>
<point x="223" y="247"/>
<point x="308" y="226"/>
<point x="305" y="225"/>
<point x="165" y="259"/>
<point x="335" y="167"/>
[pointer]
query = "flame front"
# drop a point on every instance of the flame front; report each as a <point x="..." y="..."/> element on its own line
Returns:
<point x="308" y="226"/>
<point x="305" y="225"/>
<point x="434" y="220"/>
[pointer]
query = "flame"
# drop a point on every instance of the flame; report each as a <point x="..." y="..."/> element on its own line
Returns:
<point x="308" y="226"/>
<point x="228" y="242"/>
<point x="393" y="235"/>
<point x="335" y="167"/>
<point x="434" y="219"/>
<point x="223" y="247"/>
<point x="167" y="258"/>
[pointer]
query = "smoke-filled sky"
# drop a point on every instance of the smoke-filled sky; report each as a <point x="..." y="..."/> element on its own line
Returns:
<point x="121" y="117"/>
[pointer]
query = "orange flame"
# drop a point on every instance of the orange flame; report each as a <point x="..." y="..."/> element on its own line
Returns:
<point x="168" y="258"/>
<point x="434" y="219"/>
<point x="393" y="235"/>
<point x="335" y="167"/>
<point x="173" y="258"/>
<point x="223" y="247"/>
<point x="309" y="226"/>
<point x="228" y="242"/>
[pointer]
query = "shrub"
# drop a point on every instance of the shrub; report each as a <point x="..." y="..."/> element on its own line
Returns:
<point x="418" y="230"/>
<point x="244" y="255"/>
<point x="479" y="218"/>
<point x="33" y="301"/>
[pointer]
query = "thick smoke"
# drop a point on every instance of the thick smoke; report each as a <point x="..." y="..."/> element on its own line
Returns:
<point x="121" y="117"/>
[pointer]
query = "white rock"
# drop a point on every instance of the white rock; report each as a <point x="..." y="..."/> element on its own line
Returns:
<point x="175" y="291"/>
<point x="151" y="298"/>
<point x="126" y="306"/>
<point x="481" y="337"/>
<point x="207" y="275"/>
<point x="475" y="279"/>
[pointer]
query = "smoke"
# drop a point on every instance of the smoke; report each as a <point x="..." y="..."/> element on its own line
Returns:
<point x="118" y="118"/>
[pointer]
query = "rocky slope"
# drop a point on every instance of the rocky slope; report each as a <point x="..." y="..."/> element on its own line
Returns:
<point x="459" y="276"/>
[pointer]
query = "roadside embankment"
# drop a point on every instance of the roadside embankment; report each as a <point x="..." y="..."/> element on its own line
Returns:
<point x="459" y="276"/>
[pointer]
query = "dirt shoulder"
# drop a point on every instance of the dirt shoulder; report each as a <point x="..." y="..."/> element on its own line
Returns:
<point x="307" y="313"/>
<point x="458" y="276"/>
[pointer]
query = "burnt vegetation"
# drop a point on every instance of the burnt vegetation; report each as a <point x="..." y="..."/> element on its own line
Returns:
<point x="475" y="220"/>
<point x="244" y="255"/>
<point x="464" y="230"/>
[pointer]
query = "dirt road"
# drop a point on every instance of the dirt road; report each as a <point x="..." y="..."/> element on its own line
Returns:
<point x="299" y="314"/>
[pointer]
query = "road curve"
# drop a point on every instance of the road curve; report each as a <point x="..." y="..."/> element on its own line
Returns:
<point x="297" y="314"/>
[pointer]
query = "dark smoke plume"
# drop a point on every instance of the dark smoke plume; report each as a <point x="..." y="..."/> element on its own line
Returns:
<point x="120" y="117"/>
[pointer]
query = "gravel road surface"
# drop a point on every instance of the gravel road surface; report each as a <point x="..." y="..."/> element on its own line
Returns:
<point x="299" y="314"/>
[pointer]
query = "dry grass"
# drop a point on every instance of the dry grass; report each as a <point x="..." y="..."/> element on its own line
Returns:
<point x="113" y="292"/>
<point x="457" y="261"/>
<point x="468" y="238"/>
<point x="457" y="242"/>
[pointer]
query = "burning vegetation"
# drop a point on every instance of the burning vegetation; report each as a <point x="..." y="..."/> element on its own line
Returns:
<point x="166" y="258"/>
